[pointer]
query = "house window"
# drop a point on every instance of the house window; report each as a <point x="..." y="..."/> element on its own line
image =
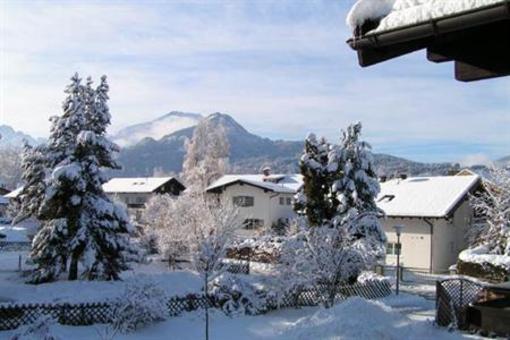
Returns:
<point x="289" y="201"/>
<point x="244" y="201"/>
<point x="253" y="223"/>
<point x="140" y="200"/>
<point x="282" y="200"/>
<point x="392" y="248"/>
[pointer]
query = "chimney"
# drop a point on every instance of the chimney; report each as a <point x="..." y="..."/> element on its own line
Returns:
<point x="403" y="176"/>
<point x="383" y="179"/>
<point x="452" y="171"/>
<point x="266" y="171"/>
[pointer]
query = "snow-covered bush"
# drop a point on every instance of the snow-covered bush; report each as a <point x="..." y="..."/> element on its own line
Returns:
<point x="40" y="329"/>
<point x="488" y="255"/>
<point x="142" y="303"/>
<point x="478" y="262"/>
<point x="164" y="226"/>
<point x="241" y="294"/>
<point x="321" y="255"/>
<point x="492" y="205"/>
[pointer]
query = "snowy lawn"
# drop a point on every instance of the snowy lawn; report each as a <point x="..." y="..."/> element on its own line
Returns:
<point x="13" y="286"/>
<point x="353" y="319"/>
<point x="14" y="234"/>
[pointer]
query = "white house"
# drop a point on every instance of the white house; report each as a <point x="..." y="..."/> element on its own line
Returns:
<point x="262" y="199"/>
<point x="435" y="213"/>
<point x="135" y="192"/>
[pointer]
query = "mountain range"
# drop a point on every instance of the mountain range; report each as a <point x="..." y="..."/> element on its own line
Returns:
<point x="157" y="147"/>
<point x="12" y="138"/>
<point x="248" y="152"/>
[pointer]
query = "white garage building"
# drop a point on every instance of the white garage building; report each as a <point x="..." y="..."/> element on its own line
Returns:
<point x="435" y="213"/>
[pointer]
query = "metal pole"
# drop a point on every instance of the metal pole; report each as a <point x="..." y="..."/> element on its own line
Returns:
<point x="398" y="262"/>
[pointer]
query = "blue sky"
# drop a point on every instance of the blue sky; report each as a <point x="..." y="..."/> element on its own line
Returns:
<point x="281" y="68"/>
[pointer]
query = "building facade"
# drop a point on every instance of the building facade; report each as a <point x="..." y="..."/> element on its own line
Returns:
<point x="136" y="192"/>
<point x="263" y="200"/>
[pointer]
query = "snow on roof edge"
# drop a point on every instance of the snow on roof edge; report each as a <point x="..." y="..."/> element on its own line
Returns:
<point x="279" y="187"/>
<point x="405" y="13"/>
<point x="401" y="205"/>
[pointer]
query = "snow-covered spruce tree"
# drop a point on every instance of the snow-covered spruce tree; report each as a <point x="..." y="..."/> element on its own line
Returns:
<point x="351" y="238"/>
<point x="356" y="187"/>
<point x="34" y="174"/>
<point x="314" y="200"/>
<point x="10" y="166"/>
<point x="206" y="156"/>
<point x="96" y="231"/>
<point x="57" y="212"/>
<point x="493" y="203"/>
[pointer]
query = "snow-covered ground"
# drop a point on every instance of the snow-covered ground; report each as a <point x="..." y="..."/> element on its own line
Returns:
<point x="13" y="287"/>
<point x="407" y="316"/>
<point x="353" y="319"/>
<point x="14" y="233"/>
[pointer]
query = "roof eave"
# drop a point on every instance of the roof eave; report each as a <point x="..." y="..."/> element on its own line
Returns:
<point x="446" y="24"/>
<point x="373" y="48"/>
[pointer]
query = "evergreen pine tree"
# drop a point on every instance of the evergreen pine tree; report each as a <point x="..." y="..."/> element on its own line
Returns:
<point x="314" y="200"/>
<point x="80" y="221"/>
<point x="59" y="210"/>
<point x="102" y="237"/>
<point x="34" y="172"/>
<point x="356" y="187"/>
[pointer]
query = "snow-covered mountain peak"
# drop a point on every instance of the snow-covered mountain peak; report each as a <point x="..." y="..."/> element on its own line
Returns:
<point x="12" y="138"/>
<point x="157" y="128"/>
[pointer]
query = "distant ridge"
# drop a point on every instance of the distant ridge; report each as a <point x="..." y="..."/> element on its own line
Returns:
<point x="248" y="154"/>
<point x="11" y="138"/>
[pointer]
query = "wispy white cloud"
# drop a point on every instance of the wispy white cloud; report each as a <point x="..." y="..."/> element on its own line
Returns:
<point x="281" y="68"/>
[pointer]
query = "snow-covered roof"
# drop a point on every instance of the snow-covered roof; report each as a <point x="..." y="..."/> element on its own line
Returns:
<point x="14" y="193"/>
<point x="276" y="183"/>
<point x="135" y="184"/>
<point x="399" y="13"/>
<point x="424" y="196"/>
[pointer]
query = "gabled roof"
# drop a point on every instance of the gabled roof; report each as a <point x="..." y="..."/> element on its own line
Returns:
<point x="275" y="183"/>
<point x="435" y="197"/>
<point x="474" y="34"/>
<point x="136" y="184"/>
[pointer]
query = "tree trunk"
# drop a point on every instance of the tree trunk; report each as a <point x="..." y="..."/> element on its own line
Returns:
<point x="73" y="267"/>
<point x="206" y="307"/>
